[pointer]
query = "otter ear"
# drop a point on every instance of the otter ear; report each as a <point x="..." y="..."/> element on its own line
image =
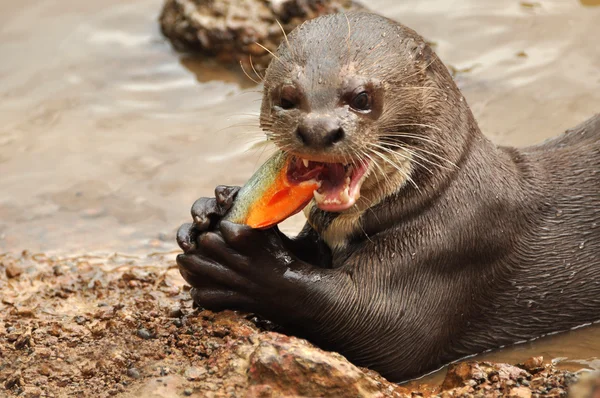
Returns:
<point x="423" y="54"/>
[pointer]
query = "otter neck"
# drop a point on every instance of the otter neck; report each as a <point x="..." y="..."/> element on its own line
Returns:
<point x="432" y="180"/>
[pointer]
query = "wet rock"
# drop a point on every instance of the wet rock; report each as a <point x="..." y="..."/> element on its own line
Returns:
<point x="193" y="373"/>
<point x="459" y="374"/>
<point x="230" y="29"/>
<point x="556" y="393"/>
<point x="45" y="370"/>
<point x="175" y="312"/>
<point x="133" y="373"/>
<point x="502" y="380"/>
<point x="533" y="365"/>
<point x="88" y="369"/>
<point x="481" y="375"/>
<point x="13" y="380"/>
<point x="519" y="392"/>
<point x="144" y="334"/>
<point x="23" y="340"/>
<point x="32" y="392"/>
<point x="13" y="271"/>
<point x="286" y="366"/>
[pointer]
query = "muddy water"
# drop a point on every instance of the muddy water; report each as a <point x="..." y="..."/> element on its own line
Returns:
<point x="107" y="136"/>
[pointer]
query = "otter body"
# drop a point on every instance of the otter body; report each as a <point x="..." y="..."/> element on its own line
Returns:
<point x="439" y="245"/>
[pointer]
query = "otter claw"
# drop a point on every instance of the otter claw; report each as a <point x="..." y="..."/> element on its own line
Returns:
<point x="204" y="212"/>
<point x="186" y="237"/>
<point x="225" y="195"/>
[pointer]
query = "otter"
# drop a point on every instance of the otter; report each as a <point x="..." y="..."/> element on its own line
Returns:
<point x="426" y="242"/>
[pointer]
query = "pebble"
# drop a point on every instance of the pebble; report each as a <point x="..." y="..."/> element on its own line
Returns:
<point x="133" y="373"/>
<point x="533" y="363"/>
<point x="175" y="312"/>
<point x="12" y="271"/>
<point x="144" y="334"/>
<point x="193" y="373"/>
<point x="187" y="392"/>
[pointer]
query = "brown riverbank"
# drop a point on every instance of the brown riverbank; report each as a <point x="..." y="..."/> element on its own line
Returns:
<point x="118" y="326"/>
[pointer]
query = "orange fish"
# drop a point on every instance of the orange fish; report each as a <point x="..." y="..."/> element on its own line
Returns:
<point x="271" y="195"/>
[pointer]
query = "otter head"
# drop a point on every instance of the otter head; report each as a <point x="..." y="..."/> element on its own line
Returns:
<point x="362" y="103"/>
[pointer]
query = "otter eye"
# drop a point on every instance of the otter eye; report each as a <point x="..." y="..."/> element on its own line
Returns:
<point x="285" y="103"/>
<point x="288" y="97"/>
<point x="361" y="102"/>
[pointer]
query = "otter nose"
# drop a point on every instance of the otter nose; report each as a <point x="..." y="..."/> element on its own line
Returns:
<point x="320" y="133"/>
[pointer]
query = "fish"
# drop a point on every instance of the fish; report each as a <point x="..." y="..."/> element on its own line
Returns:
<point x="273" y="194"/>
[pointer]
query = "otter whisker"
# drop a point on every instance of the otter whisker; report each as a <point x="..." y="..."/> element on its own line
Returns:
<point x="273" y="54"/>
<point x="386" y="178"/>
<point x="417" y="125"/>
<point x="378" y="168"/>
<point x="435" y="155"/>
<point x="414" y="153"/>
<point x="389" y="183"/>
<point x="405" y="157"/>
<point x="246" y="73"/>
<point x="368" y="202"/>
<point x="257" y="131"/>
<point x="349" y="34"/>
<point x="388" y="160"/>
<point x="243" y="124"/>
<point x="258" y="162"/>
<point x="392" y="136"/>
<point x="396" y="166"/>
<point x="251" y="114"/>
<point x="253" y="146"/>
<point x="248" y="131"/>
<point x="262" y="78"/>
<point x="284" y="35"/>
<point x="412" y="150"/>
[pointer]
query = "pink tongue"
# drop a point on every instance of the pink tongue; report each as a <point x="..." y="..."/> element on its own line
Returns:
<point x="333" y="181"/>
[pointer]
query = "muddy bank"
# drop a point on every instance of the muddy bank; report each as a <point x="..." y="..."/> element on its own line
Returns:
<point x="121" y="326"/>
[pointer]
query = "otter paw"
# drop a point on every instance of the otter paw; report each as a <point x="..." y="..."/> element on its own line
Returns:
<point x="206" y="212"/>
<point x="238" y="267"/>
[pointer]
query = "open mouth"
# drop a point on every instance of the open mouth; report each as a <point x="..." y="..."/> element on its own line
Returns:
<point x="339" y="184"/>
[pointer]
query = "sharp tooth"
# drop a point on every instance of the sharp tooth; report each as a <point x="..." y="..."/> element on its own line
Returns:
<point x="318" y="197"/>
<point x="305" y="163"/>
<point x="347" y="182"/>
<point x="345" y="195"/>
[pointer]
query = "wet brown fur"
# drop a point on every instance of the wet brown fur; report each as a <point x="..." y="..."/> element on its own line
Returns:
<point x="490" y="247"/>
<point x="493" y="245"/>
